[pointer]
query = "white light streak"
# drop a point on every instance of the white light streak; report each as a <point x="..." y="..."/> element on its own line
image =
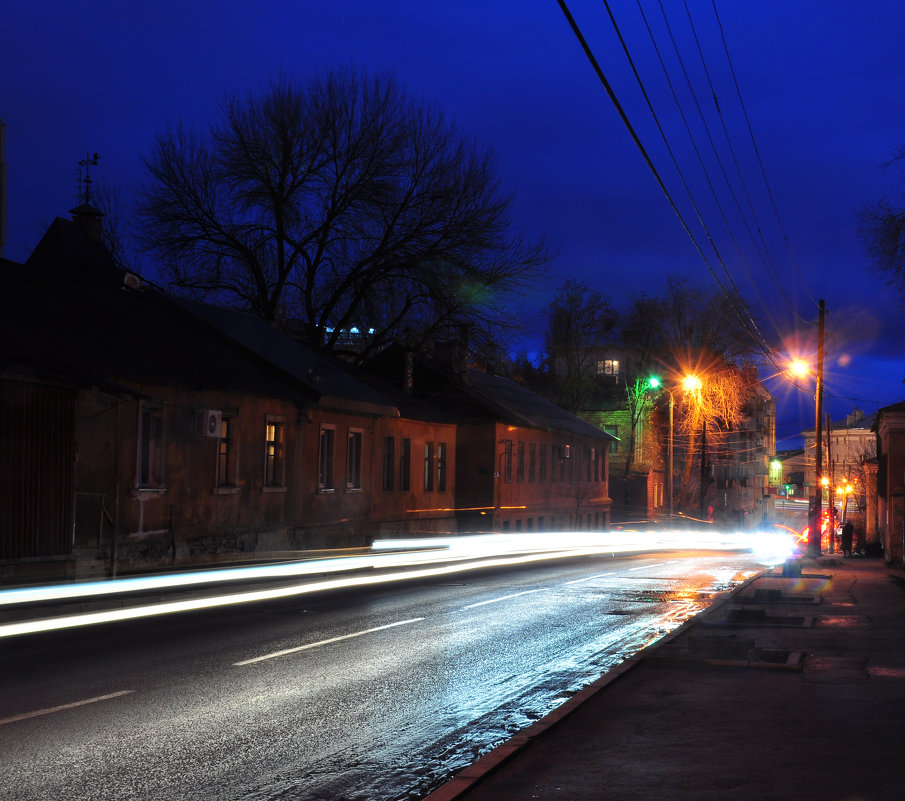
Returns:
<point x="447" y="555"/>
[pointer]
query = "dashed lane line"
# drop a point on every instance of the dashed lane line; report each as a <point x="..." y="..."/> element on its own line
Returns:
<point x="50" y="710"/>
<point x="319" y="643"/>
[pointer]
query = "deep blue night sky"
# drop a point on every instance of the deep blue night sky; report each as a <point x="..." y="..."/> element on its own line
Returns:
<point x="822" y="83"/>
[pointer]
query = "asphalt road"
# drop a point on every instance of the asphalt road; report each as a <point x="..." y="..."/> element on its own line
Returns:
<point x="375" y="694"/>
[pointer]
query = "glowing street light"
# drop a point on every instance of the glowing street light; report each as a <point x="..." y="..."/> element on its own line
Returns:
<point x="690" y="383"/>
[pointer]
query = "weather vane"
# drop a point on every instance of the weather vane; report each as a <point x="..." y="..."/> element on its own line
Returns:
<point x="88" y="162"/>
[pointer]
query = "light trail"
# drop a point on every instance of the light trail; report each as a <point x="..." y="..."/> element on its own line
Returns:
<point x="448" y="555"/>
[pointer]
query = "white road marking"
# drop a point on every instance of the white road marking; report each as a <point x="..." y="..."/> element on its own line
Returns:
<point x="589" y="578"/>
<point x="647" y="567"/>
<point x="504" y="598"/>
<point x="298" y="648"/>
<point x="52" y="709"/>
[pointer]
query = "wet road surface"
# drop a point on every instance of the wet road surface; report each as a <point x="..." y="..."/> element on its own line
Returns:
<point x="377" y="694"/>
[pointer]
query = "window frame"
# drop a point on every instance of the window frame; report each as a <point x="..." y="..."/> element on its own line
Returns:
<point x="354" y="458"/>
<point x="429" y="459"/>
<point x="275" y="454"/>
<point x="326" y="458"/>
<point x="150" y="467"/>
<point x="226" y="470"/>
<point x="405" y="464"/>
<point x="389" y="463"/>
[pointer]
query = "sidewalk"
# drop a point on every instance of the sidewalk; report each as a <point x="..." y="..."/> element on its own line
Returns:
<point x="790" y="689"/>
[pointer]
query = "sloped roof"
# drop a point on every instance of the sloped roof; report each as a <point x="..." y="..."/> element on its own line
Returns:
<point x="476" y="396"/>
<point x="104" y="333"/>
<point x="328" y="378"/>
<point x="515" y="404"/>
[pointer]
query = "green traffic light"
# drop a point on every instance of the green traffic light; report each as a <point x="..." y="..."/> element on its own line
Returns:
<point x="653" y="382"/>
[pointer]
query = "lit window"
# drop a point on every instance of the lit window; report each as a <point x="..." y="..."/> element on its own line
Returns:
<point x="614" y="445"/>
<point x="274" y="461"/>
<point x="608" y="367"/>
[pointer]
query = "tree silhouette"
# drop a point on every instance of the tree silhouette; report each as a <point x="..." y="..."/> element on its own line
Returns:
<point x="340" y="207"/>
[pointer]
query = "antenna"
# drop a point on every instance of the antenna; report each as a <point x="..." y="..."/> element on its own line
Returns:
<point x="88" y="162"/>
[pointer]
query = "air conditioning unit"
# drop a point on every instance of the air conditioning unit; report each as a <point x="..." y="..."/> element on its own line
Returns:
<point x="207" y="423"/>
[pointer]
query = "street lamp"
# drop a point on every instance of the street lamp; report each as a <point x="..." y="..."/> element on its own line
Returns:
<point x="654" y="383"/>
<point x="690" y="383"/>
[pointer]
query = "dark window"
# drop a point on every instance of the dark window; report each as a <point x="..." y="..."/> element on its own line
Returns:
<point x="353" y="459"/>
<point x="405" y="465"/>
<point x="532" y="461"/>
<point x="542" y="463"/>
<point x="150" y="447"/>
<point x="441" y="467"/>
<point x="507" y="461"/>
<point x="428" y="466"/>
<point x="520" y="463"/>
<point x="226" y="453"/>
<point x="389" y="462"/>
<point x="325" y="460"/>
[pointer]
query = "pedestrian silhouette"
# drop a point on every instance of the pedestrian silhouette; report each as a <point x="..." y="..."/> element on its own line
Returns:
<point x="848" y="532"/>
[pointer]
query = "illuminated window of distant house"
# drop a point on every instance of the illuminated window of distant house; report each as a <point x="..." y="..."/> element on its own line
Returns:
<point x="608" y="367"/>
<point x="532" y="461"/>
<point x="353" y="459"/>
<point x="325" y="459"/>
<point x="274" y="453"/>
<point x="614" y="445"/>
<point x="429" y="466"/>
<point x="150" y="447"/>
<point x="405" y="464"/>
<point x="389" y="462"/>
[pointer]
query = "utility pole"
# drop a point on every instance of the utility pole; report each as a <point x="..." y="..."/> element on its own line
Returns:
<point x="814" y="513"/>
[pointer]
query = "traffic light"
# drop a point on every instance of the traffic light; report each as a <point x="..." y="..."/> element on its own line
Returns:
<point x="653" y="382"/>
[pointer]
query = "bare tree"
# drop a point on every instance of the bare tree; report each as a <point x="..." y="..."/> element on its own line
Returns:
<point x="341" y="205"/>
<point x="882" y="229"/>
<point x="579" y="319"/>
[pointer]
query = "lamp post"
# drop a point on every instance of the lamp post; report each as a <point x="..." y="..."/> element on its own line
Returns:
<point x="690" y="383"/>
<point x="654" y="383"/>
<point x="815" y="507"/>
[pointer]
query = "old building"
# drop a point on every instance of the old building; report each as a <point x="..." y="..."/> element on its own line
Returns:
<point x="886" y="484"/>
<point x="141" y="431"/>
<point x="522" y="463"/>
